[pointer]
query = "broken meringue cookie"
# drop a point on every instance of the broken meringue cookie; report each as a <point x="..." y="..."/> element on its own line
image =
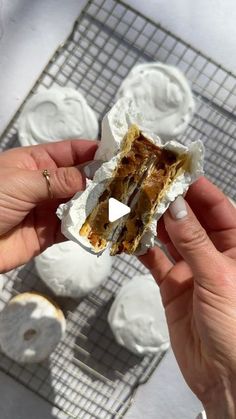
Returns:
<point x="115" y="125"/>
<point x="163" y="95"/>
<point x="144" y="175"/>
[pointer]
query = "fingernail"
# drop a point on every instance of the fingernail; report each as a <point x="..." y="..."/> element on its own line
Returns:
<point x="178" y="208"/>
<point x="91" y="168"/>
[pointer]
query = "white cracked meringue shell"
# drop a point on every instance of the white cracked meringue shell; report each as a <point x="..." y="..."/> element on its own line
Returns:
<point x="115" y="125"/>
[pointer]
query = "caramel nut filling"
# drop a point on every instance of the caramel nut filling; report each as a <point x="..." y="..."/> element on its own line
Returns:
<point x="143" y="173"/>
<point x="152" y="190"/>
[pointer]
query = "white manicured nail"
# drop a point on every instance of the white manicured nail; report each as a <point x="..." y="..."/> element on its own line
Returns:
<point x="178" y="208"/>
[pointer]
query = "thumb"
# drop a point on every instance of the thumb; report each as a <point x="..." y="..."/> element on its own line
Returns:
<point x="191" y="241"/>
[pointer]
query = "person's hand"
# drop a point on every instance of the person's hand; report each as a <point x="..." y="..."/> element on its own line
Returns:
<point x="28" y="223"/>
<point x="199" y="293"/>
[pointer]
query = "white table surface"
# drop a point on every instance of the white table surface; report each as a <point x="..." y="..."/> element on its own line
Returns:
<point x="30" y="31"/>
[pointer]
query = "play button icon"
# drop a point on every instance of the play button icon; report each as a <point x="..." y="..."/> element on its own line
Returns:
<point x="116" y="210"/>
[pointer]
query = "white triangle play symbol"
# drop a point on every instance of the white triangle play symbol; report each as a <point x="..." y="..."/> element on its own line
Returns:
<point x="116" y="209"/>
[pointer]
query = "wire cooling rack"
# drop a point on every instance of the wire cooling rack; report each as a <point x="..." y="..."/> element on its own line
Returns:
<point x="89" y="375"/>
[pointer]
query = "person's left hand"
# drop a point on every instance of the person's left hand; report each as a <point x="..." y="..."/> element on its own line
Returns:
<point x="28" y="222"/>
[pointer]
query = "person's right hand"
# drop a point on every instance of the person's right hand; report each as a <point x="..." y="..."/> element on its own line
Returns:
<point x="199" y="293"/>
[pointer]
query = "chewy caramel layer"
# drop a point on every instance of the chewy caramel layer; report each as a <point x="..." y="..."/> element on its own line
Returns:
<point x="127" y="176"/>
<point x="162" y="173"/>
<point x="144" y="169"/>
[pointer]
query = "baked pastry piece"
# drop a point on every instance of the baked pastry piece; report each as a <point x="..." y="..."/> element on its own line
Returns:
<point x="137" y="317"/>
<point x="144" y="175"/>
<point x="71" y="271"/>
<point x="163" y="95"/>
<point x="31" y="326"/>
<point x="59" y="113"/>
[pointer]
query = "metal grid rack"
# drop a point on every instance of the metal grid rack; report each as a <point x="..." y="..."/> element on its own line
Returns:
<point x="89" y="375"/>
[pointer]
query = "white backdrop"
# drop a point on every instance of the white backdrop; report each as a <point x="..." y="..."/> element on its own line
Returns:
<point x="30" y="31"/>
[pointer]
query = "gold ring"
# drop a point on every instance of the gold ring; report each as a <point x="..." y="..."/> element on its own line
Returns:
<point x="46" y="175"/>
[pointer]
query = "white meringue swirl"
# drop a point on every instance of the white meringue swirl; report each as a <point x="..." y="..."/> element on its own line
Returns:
<point x="162" y="94"/>
<point x="56" y="114"/>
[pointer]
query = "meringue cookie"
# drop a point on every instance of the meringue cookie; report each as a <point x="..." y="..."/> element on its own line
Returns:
<point x="70" y="271"/>
<point x="30" y="328"/>
<point x="137" y="317"/>
<point x="56" y="114"/>
<point x="178" y="187"/>
<point x="115" y="125"/>
<point x="162" y="93"/>
<point x="74" y="213"/>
